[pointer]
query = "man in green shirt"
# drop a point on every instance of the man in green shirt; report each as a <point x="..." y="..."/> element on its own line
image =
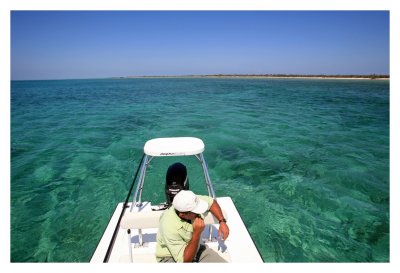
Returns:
<point x="179" y="233"/>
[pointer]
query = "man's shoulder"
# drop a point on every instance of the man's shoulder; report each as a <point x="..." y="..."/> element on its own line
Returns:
<point x="169" y="217"/>
<point x="170" y="223"/>
<point x="168" y="213"/>
<point x="207" y="198"/>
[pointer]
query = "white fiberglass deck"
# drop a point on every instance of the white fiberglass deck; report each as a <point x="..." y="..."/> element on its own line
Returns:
<point x="238" y="248"/>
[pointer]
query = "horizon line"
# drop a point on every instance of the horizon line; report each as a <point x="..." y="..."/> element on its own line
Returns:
<point x="231" y="75"/>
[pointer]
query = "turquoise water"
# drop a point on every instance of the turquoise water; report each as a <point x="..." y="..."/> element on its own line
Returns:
<point x="305" y="161"/>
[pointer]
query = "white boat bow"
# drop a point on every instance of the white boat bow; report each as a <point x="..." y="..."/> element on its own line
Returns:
<point x="130" y="235"/>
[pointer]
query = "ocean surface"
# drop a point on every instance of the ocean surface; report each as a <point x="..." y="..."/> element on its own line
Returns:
<point x="306" y="161"/>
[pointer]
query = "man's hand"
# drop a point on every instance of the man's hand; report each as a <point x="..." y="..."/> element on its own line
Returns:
<point x="198" y="225"/>
<point x="223" y="231"/>
<point x="190" y="250"/>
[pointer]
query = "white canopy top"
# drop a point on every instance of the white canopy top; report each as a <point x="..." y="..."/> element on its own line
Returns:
<point x="174" y="146"/>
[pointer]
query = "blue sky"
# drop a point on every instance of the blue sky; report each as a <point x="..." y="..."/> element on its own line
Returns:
<point x="95" y="44"/>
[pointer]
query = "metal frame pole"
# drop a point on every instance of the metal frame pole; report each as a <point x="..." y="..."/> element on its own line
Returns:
<point x="139" y="186"/>
<point x="207" y="176"/>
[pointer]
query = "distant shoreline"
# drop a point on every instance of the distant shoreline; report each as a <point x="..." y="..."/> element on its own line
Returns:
<point x="270" y="76"/>
<point x="235" y="76"/>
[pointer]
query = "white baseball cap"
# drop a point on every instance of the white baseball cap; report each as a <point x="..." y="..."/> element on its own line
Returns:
<point x="186" y="201"/>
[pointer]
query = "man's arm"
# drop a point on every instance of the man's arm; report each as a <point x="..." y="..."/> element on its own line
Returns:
<point x="223" y="227"/>
<point x="191" y="248"/>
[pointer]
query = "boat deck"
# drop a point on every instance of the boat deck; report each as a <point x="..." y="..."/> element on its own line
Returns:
<point x="238" y="248"/>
